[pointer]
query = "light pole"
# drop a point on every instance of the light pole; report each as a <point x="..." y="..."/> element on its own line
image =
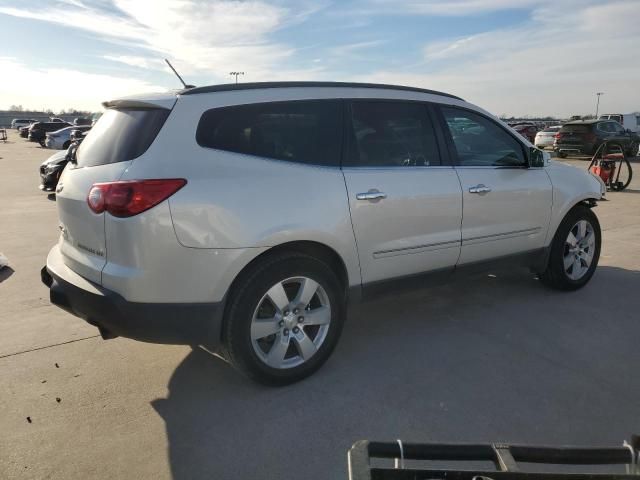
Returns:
<point x="598" y="102"/>
<point x="235" y="74"/>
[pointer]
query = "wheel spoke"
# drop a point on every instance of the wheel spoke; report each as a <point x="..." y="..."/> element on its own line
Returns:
<point x="582" y="229"/>
<point x="568" y="261"/>
<point x="275" y="357"/>
<point x="263" y="327"/>
<point x="317" y="316"/>
<point x="307" y="289"/>
<point x="278" y="296"/>
<point x="571" y="239"/>
<point x="577" y="268"/>
<point x="303" y="343"/>
<point x="589" y="239"/>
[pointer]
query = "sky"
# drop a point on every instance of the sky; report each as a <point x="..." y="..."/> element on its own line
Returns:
<point x="512" y="57"/>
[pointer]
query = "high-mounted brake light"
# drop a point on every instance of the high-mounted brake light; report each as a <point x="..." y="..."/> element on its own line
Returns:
<point x="131" y="197"/>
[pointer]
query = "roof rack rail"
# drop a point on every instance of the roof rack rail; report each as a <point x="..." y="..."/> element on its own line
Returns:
<point x="257" y="85"/>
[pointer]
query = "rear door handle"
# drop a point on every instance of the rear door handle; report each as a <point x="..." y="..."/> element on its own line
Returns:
<point x="481" y="188"/>
<point x="371" y="195"/>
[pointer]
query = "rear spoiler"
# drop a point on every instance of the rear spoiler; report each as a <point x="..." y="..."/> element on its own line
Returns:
<point x="165" y="103"/>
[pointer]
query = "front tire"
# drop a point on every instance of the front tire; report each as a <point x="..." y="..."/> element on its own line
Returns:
<point x="284" y="318"/>
<point x="575" y="251"/>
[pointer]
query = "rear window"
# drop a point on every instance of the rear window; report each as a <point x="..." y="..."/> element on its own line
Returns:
<point x="120" y="135"/>
<point x="551" y="129"/>
<point x="576" y="128"/>
<point x="298" y="131"/>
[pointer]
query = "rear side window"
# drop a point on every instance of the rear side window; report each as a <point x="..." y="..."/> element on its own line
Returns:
<point x="120" y="135"/>
<point x="299" y="131"/>
<point x="575" y="129"/>
<point x="391" y="134"/>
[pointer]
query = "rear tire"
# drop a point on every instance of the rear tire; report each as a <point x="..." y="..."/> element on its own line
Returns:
<point x="274" y="332"/>
<point x="575" y="251"/>
<point x="562" y="154"/>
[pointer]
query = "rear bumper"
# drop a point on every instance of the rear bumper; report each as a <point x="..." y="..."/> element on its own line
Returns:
<point x="172" y="323"/>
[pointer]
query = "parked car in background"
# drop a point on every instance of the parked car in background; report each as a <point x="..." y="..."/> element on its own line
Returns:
<point x="39" y="130"/>
<point x="585" y="136"/>
<point x="24" y="131"/>
<point x="629" y="121"/>
<point x="51" y="169"/>
<point x="56" y="119"/>
<point x="61" y="139"/>
<point x="21" y="122"/>
<point x="164" y="240"/>
<point x="527" y="130"/>
<point x="82" y="121"/>
<point x="546" y="137"/>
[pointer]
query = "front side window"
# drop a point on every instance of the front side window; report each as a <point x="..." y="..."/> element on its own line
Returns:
<point x="391" y="134"/>
<point x="298" y="131"/>
<point x="605" y="127"/>
<point x="617" y="127"/>
<point x="479" y="141"/>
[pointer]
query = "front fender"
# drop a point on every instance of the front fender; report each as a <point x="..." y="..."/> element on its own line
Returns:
<point x="571" y="186"/>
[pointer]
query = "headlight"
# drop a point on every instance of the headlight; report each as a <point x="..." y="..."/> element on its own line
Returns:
<point x="52" y="168"/>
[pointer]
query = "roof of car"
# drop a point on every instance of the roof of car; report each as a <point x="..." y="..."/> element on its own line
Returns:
<point x="582" y="122"/>
<point x="259" y="85"/>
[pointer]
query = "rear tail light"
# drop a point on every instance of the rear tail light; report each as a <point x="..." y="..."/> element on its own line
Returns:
<point x="590" y="137"/>
<point x="131" y="197"/>
<point x="557" y="136"/>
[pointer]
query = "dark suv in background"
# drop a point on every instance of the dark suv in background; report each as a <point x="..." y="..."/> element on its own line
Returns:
<point x="585" y="136"/>
<point x="38" y="131"/>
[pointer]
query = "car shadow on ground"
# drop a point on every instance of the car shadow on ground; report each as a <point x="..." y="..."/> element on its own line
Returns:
<point x="5" y="273"/>
<point x="484" y="359"/>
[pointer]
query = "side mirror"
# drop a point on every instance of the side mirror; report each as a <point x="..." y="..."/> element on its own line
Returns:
<point x="536" y="157"/>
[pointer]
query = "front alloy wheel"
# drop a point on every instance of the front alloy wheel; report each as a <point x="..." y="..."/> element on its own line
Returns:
<point x="579" y="249"/>
<point x="575" y="250"/>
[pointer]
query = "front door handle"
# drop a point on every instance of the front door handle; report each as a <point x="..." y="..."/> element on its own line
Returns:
<point x="371" y="195"/>
<point x="481" y="188"/>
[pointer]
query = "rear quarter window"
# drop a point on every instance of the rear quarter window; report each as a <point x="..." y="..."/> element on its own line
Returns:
<point x="120" y="135"/>
<point x="307" y="132"/>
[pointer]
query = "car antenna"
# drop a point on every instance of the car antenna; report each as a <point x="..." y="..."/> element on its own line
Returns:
<point x="178" y="75"/>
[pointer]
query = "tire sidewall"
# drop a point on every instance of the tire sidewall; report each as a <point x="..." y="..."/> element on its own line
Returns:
<point x="237" y="328"/>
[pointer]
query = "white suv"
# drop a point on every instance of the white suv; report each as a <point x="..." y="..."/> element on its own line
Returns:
<point x="247" y="216"/>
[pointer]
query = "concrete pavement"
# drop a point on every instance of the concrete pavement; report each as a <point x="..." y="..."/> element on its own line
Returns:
<point x="488" y="358"/>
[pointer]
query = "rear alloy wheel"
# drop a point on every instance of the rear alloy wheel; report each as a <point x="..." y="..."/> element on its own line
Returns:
<point x="287" y="332"/>
<point x="285" y="319"/>
<point x="575" y="251"/>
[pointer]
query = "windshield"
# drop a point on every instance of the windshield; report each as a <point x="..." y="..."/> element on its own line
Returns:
<point x="120" y="135"/>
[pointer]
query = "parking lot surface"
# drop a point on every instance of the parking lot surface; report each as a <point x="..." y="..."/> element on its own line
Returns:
<point x="482" y="359"/>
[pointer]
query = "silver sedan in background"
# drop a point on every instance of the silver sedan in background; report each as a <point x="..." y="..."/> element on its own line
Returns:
<point x="544" y="138"/>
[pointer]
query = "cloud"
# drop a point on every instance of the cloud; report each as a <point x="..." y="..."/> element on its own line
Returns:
<point x="353" y="50"/>
<point x="200" y="37"/>
<point x="149" y="63"/>
<point x="61" y="88"/>
<point x="551" y="65"/>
